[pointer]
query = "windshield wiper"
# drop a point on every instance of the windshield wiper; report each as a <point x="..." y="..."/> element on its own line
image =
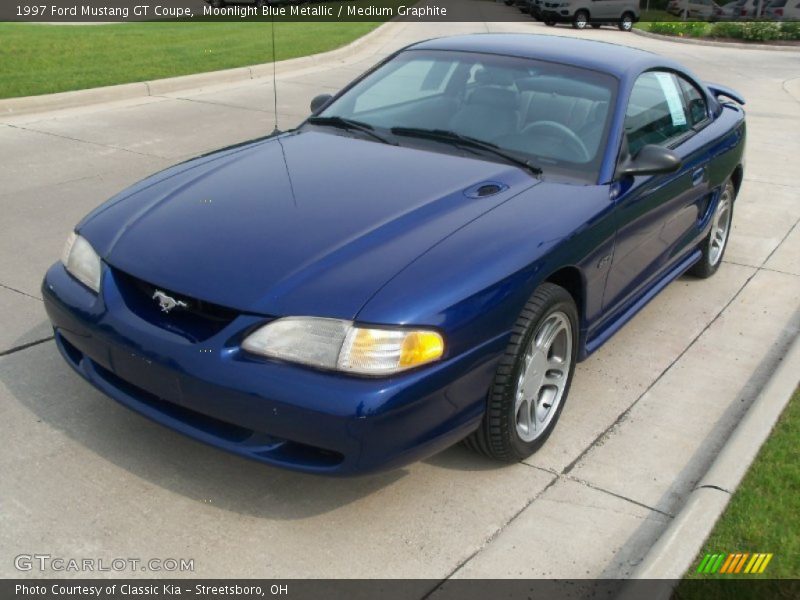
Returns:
<point x="349" y="124"/>
<point x="443" y="135"/>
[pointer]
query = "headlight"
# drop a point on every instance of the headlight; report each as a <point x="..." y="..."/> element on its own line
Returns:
<point x="341" y="346"/>
<point x="82" y="261"/>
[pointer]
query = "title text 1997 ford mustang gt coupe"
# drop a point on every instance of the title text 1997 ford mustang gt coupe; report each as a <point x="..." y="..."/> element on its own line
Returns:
<point x="423" y="260"/>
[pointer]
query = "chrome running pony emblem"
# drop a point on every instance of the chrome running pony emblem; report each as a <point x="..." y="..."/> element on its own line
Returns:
<point x="167" y="303"/>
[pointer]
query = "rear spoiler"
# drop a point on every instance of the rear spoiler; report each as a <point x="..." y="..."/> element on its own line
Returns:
<point x="721" y="91"/>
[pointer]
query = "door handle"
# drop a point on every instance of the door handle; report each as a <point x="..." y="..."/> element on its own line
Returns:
<point x="698" y="176"/>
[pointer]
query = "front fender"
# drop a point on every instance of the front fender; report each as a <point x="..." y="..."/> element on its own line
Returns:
<point x="474" y="284"/>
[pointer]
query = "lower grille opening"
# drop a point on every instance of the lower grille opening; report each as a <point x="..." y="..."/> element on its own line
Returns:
<point x="206" y="424"/>
<point x="73" y="354"/>
<point x="281" y="449"/>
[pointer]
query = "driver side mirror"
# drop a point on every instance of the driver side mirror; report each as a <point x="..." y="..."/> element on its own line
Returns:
<point x="651" y="160"/>
<point x="320" y="102"/>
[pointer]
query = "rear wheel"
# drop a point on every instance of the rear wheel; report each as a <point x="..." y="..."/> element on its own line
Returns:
<point x="581" y="20"/>
<point x="533" y="378"/>
<point x="626" y="22"/>
<point x="717" y="240"/>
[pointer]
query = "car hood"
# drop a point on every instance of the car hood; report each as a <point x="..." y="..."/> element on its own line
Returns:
<point x="308" y="223"/>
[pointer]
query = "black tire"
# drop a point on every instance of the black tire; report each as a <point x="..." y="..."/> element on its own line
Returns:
<point x="626" y="22"/>
<point x="497" y="437"/>
<point x="711" y="260"/>
<point x="595" y="25"/>
<point x="581" y="20"/>
<point x="550" y="23"/>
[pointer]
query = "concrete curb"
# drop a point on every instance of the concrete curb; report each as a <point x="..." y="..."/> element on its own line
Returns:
<point x="128" y="91"/>
<point x="672" y="555"/>
<point x="792" y="86"/>
<point x="703" y="42"/>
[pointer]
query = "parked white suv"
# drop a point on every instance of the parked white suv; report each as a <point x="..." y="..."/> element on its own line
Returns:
<point x="590" y="12"/>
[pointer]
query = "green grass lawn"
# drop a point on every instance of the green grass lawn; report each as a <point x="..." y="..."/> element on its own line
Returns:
<point x="43" y="59"/>
<point x="763" y="516"/>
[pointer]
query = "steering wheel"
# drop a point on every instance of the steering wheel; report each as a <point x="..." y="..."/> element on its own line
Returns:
<point x="564" y="133"/>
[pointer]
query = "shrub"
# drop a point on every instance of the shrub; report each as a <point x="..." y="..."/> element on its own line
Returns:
<point x="679" y="29"/>
<point x="790" y="30"/>
<point x="751" y="32"/>
<point x="761" y="31"/>
<point x="726" y="30"/>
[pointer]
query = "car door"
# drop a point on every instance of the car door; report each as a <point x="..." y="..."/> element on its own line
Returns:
<point x="657" y="215"/>
<point x="602" y="9"/>
<point x="617" y="7"/>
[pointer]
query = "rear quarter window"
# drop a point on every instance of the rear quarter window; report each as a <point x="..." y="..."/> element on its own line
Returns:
<point x="696" y="107"/>
<point x="655" y="112"/>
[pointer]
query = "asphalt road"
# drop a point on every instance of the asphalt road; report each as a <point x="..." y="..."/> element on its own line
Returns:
<point x="81" y="476"/>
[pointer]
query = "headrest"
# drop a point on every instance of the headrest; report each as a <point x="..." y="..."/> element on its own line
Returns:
<point x="494" y="96"/>
<point x="562" y="86"/>
<point x="494" y="76"/>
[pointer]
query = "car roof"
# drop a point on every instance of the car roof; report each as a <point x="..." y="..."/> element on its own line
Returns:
<point x="617" y="60"/>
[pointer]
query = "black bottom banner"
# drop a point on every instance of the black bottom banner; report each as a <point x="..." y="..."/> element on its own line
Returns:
<point x="401" y="589"/>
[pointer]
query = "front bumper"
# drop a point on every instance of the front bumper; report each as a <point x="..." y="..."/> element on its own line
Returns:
<point x="274" y="412"/>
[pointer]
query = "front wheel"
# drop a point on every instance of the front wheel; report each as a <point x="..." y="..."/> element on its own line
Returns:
<point x="581" y="20"/>
<point x="532" y="379"/>
<point x="717" y="240"/>
<point x="626" y="22"/>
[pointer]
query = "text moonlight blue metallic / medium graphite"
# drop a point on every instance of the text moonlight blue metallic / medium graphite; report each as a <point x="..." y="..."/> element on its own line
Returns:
<point x="423" y="260"/>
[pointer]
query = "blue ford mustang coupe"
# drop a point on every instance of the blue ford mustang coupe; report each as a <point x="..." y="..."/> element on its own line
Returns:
<point x="423" y="260"/>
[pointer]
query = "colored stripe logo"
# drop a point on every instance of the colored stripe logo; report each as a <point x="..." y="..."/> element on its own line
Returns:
<point x="732" y="564"/>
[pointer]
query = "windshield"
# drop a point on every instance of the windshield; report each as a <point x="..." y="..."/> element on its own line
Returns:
<point x="550" y="115"/>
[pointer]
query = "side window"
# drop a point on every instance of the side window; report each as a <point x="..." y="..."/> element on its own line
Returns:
<point x="414" y="80"/>
<point x="655" y="113"/>
<point x="696" y="106"/>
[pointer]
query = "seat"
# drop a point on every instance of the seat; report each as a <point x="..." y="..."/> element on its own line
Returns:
<point x="570" y="111"/>
<point x="489" y="112"/>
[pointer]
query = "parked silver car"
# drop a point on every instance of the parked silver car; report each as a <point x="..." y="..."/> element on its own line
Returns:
<point x="581" y="13"/>
<point x="694" y="9"/>
<point x="783" y="10"/>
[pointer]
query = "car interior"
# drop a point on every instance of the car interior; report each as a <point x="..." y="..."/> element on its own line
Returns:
<point x="541" y="112"/>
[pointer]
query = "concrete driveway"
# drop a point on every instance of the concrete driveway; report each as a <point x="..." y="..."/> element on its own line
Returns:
<point x="82" y="477"/>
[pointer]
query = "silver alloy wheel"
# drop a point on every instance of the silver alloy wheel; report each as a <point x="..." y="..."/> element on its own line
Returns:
<point x="543" y="377"/>
<point x="627" y="23"/>
<point x="720" y="227"/>
<point x="580" y="20"/>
